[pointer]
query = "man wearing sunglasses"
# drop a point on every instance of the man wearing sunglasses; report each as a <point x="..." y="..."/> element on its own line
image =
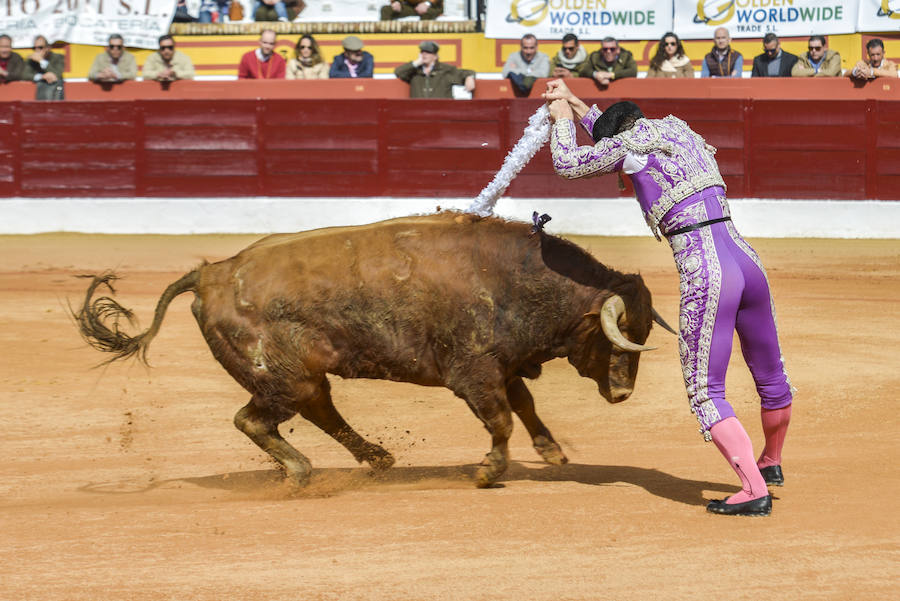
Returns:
<point x="115" y="64"/>
<point x="820" y="61"/>
<point x="570" y="59"/>
<point x="773" y="62"/>
<point x="45" y="68"/>
<point x="609" y="63"/>
<point x="168" y="64"/>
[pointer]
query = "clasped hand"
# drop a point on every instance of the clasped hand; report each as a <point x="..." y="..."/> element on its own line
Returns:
<point x="558" y="98"/>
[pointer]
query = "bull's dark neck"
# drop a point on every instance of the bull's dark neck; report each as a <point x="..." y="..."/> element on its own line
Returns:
<point x="576" y="264"/>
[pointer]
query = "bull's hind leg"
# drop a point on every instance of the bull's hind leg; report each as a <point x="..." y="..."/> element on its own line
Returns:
<point x="261" y="426"/>
<point x="316" y="406"/>
<point x="522" y="403"/>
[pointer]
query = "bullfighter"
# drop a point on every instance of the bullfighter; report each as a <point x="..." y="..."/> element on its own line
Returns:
<point x="723" y="284"/>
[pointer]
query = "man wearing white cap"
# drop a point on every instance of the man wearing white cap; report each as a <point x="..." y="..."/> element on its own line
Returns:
<point x="353" y="62"/>
<point x="430" y="78"/>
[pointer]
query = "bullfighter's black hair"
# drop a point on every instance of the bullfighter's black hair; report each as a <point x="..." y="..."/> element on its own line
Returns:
<point x="616" y="119"/>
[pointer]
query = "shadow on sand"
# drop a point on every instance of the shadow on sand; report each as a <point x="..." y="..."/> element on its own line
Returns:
<point x="331" y="481"/>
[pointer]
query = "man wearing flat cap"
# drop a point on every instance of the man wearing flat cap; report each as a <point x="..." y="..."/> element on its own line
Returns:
<point x="430" y="78"/>
<point x="354" y="62"/>
<point x="424" y="9"/>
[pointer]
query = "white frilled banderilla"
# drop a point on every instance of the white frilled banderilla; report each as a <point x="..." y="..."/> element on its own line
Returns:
<point x="535" y="136"/>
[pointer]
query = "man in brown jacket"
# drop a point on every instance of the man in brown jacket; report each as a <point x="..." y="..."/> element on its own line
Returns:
<point x="609" y="63"/>
<point x="430" y="78"/>
<point x="819" y="61"/>
<point x="876" y="66"/>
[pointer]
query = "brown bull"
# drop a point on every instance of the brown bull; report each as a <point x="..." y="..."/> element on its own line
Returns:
<point x="447" y="300"/>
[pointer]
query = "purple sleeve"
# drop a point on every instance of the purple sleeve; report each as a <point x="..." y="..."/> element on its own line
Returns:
<point x="572" y="161"/>
<point x="587" y="122"/>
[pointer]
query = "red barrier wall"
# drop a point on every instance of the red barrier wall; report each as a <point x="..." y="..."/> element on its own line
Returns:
<point x="841" y="142"/>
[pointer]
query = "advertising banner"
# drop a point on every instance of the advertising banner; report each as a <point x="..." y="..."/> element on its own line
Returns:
<point x="879" y="15"/>
<point x="588" y="19"/>
<point x="698" y="19"/>
<point x="140" y="22"/>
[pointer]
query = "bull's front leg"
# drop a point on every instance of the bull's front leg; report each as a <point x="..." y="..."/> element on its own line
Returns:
<point x="522" y="403"/>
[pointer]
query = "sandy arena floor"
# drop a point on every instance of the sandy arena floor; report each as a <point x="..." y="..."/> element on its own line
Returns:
<point x="128" y="483"/>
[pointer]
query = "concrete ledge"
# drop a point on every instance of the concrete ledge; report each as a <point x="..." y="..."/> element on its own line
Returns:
<point x="314" y="27"/>
<point x="757" y="218"/>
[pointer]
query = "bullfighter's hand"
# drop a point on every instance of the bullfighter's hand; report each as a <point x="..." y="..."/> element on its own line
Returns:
<point x="560" y="109"/>
<point x="556" y="90"/>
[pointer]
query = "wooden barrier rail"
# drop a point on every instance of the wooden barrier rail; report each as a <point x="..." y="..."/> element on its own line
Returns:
<point x="829" y="140"/>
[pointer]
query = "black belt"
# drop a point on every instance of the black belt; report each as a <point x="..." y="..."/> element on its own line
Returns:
<point x="696" y="226"/>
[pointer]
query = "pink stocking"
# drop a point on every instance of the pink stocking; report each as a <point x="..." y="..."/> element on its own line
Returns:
<point x="734" y="444"/>
<point x="775" y="424"/>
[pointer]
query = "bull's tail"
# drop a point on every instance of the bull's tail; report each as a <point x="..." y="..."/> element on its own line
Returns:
<point x="98" y="319"/>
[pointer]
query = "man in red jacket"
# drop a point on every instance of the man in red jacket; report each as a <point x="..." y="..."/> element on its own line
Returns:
<point x="262" y="63"/>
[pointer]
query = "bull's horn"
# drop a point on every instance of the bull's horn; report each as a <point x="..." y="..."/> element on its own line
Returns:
<point x="658" y="319"/>
<point x="612" y="309"/>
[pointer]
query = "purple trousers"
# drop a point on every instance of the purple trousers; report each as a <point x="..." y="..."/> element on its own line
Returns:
<point x="723" y="289"/>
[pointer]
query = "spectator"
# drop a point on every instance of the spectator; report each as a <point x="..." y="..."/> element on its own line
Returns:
<point x="11" y="64"/>
<point x="115" y="64"/>
<point x="430" y="78"/>
<point x="354" y="62"/>
<point x="670" y="60"/>
<point x="307" y="62"/>
<point x="181" y="13"/>
<point x="262" y="63"/>
<point x="45" y="69"/>
<point x="213" y="11"/>
<point x="570" y="59"/>
<point x="876" y="66"/>
<point x="424" y="9"/>
<point x="168" y="64"/>
<point x="722" y="60"/>
<point x="773" y="62"/>
<point x="609" y="63"/>
<point x="820" y="61"/>
<point x="270" y="10"/>
<point x="522" y="68"/>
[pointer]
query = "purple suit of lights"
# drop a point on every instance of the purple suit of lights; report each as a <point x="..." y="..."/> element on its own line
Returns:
<point x="723" y="283"/>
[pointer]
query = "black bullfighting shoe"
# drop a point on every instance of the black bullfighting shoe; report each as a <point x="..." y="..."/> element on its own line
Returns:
<point x="761" y="506"/>
<point x="772" y="475"/>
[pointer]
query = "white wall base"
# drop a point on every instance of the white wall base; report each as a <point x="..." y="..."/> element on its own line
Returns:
<point x="759" y="218"/>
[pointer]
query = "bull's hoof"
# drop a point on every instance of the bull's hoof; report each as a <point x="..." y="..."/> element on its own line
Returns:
<point x="377" y="458"/>
<point x="297" y="480"/>
<point x="550" y="451"/>
<point x="297" y="472"/>
<point x="492" y="467"/>
<point x="381" y="462"/>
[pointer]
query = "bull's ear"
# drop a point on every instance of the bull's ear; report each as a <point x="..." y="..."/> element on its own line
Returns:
<point x="594" y="314"/>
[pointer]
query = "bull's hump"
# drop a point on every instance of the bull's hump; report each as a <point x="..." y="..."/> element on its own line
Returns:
<point x="423" y="222"/>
